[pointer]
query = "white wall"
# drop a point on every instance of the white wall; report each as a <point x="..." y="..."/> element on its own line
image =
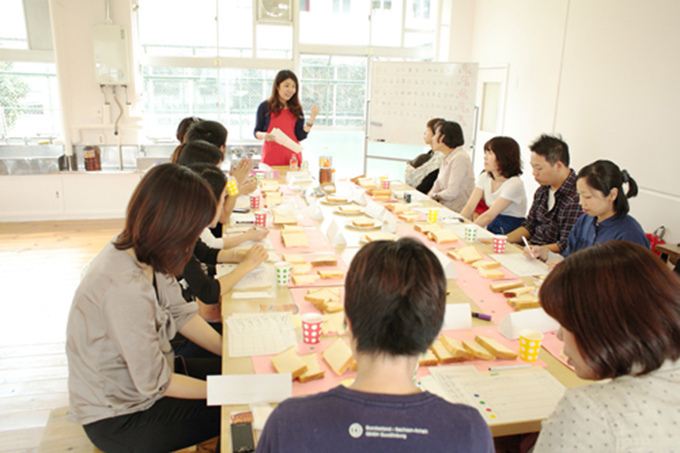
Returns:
<point x="86" y="119"/>
<point x="604" y="74"/>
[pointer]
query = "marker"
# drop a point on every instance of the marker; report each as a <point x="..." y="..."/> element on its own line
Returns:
<point x="481" y="316"/>
<point x="508" y="367"/>
<point x="526" y="245"/>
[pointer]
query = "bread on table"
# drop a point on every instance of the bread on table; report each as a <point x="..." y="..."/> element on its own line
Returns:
<point x="455" y="348"/>
<point x="284" y="219"/>
<point x="477" y="350"/>
<point x="293" y="228"/>
<point x="467" y="254"/>
<point x="379" y="192"/>
<point x="335" y="199"/>
<point x="350" y="209"/>
<point x="492" y="274"/>
<point x="331" y="274"/>
<point x="442" y="236"/>
<point x="486" y="264"/>
<point x="518" y="291"/>
<point x="294" y="239"/>
<point x="289" y="362"/>
<point x="338" y="356"/>
<point x="363" y="223"/>
<point x="326" y="260"/>
<point x="428" y="359"/>
<point x="302" y="268"/>
<point x="524" y="302"/>
<point x="334" y="322"/>
<point x="505" y="286"/>
<point x="294" y="258"/>
<point x="397" y="207"/>
<point x="379" y="236"/>
<point x="426" y="227"/>
<point x="314" y="371"/>
<point x="495" y="348"/>
<point x="408" y="216"/>
<point x="443" y="355"/>
<point x="304" y="279"/>
<point x="322" y="297"/>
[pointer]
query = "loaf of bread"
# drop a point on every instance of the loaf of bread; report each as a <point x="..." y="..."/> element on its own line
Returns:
<point x="338" y="356"/>
<point x="524" y="302"/>
<point x="409" y="216"/>
<point x="302" y="268"/>
<point x="397" y="207"/>
<point x="495" y="348"/>
<point x="443" y="355"/>
<point x="294" y="258"/>
<point x="289" y="362"/>
<point x="350" y="209"/>
<point x="304" y="279"/>
<point x="486" y="264"/>
<point x="334" y="323"/>
<point x="335" y="199"/>
<point x="363" y="223"/>
<point x="455" y="348"/>
<point x="379" y="236"/>
<point x="426" y="227"/>
<point x="284" y="219"/>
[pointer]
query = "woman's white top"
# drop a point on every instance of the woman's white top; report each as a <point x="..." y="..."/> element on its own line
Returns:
<point x="210" y="240"/>
<point x="628" y="414"/>
<point x="511" y="190"/>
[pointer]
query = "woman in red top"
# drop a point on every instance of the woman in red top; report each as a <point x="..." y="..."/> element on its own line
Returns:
<point x="283" y="111"/>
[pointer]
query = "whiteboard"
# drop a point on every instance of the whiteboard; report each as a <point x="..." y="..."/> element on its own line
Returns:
<point x="405" y="96"/>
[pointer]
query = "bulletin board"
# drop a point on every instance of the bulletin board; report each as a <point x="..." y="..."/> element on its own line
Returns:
<point x="405" y="96"/>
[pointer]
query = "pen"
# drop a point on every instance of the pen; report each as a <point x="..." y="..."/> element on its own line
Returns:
<point x="481" y="316"/>
<point x="526" y="244"/>
<point x="508" y="367"/>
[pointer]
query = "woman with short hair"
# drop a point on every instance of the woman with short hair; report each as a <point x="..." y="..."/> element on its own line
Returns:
<point x="619" y="310"/>
<point x="123" y="387"/>
<point x="395" y="299"/>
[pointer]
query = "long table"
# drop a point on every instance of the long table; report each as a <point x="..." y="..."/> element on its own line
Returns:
<point x="244" y="365"/>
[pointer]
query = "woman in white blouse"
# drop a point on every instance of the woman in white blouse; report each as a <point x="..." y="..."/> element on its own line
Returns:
<point x="618" y="306"/>
<point x="455" y="181"/>
<point x="500" y="187"/>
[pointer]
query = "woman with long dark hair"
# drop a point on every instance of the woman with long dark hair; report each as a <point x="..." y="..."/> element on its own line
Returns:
<point x="282" y="111"/>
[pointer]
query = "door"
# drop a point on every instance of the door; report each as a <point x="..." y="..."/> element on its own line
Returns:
<point x="491" y="91"/>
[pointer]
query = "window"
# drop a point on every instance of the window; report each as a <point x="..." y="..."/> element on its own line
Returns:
<point x="29" y="102"/>
<point x="12" y="28"/>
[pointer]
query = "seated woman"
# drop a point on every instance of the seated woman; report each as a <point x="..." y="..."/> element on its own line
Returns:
<point x="500" y="187"/>
<point x="455" y="181"/>
<point x="605" y="211"/>
<point x="123" y="387"/>
<point x="394" y="301"/>
<point x="422" y="171"/>
<point x="182" y="129"/>
<point x="619" y="310"/>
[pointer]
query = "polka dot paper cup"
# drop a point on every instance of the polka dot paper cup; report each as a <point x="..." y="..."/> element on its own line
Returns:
<point x="311" y="327"/>
<point x="432" y="215"/>
<point x="284" y="271"/>
<point x="232" y="187"/>
<point x="261" y="219"/>
<point x="470" y="233"/>
<point x="385" y="184"/>
<point x="529" y="344"/>
<point x="254" y="202"/>
<point x="499" y="242"/>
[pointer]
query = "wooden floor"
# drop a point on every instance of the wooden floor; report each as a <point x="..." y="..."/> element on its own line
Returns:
<point x="40" y="265"/>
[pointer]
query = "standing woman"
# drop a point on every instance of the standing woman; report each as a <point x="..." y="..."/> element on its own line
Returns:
<point x="500" y="187"/>
<point x="283" y="111"/>
<point x="422" y="171"/>
<point x="605" y="211"/>
<point x="123" y="387"/>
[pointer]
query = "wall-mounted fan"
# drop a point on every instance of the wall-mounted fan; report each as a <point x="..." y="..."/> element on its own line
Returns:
<point x="274" y="11"/>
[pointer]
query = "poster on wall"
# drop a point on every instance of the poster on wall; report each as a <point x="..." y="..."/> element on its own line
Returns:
<point x="405" y="96"/>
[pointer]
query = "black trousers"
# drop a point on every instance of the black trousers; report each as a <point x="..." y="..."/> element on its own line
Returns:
<point x="170" y="424"/>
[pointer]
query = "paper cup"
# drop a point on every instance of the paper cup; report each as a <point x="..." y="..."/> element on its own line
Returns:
<point x="261" y="219"/>
<point x="284" y="270"/>
<point x="254" y="202"/>
<point x="311" y="327"/>
<point x="259" y="176"/>
<point x="499" y="242"/>
<point x="470" y="233"/>
<point x="529" y="344"/>
<point x="432" y="215"/>
<point x="385" y="184"/>
<point x="232" y="187"/>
